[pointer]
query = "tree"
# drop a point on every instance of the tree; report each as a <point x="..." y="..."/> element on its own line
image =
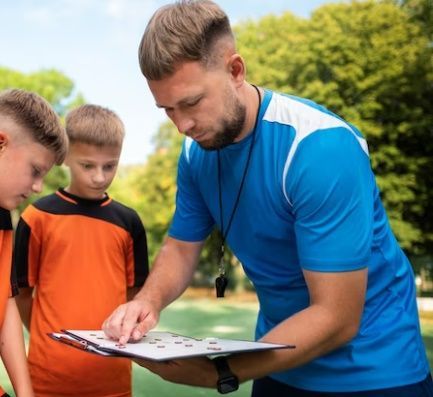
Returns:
<point x="54" y="86"/>
<point x="421" y="12"/>
<point x="57" y="89"/>
<point x="151" y="190"/>
<point x="371" y="63"/>
<point x="368" y="61"/>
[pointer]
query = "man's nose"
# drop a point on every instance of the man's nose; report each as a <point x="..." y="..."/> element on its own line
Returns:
<point x="183" y="123"/>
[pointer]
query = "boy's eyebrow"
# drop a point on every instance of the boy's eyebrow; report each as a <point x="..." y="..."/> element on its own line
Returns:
<point x="40" y="166"/>
<point x="183" y="101"/>
<point x="91" y="161"/>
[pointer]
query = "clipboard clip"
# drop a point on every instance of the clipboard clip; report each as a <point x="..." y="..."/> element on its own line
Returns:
<point x="79" y="344"/>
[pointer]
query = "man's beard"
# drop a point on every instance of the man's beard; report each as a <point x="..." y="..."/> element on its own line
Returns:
<point x="231" y="127"/>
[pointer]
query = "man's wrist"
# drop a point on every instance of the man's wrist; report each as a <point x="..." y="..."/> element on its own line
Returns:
<point x="227" y="381"/>
<point x="143" y="297"/>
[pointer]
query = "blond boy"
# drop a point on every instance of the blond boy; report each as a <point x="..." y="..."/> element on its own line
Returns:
<point x="80" y="254"/>
<point x="31" y="141"/>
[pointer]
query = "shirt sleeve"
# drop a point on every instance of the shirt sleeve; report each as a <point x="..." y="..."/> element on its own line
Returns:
<point x="10" y="288"/>
<point x="192" y="220"/>
<point x="331" y="187"/>
<point x="27" y="249"/>
<point x="14" y="282"/>
<point x="138" y="259"/>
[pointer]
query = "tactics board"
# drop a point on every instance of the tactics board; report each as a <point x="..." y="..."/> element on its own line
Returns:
<point x="159" y="346"/>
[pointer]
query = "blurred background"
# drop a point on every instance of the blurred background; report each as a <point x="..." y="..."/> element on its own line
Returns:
<point x="371" y="62"/>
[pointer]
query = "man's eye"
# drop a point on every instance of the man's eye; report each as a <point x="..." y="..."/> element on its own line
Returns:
<point x="36" y="172"/>
<point x="193" y="103"/>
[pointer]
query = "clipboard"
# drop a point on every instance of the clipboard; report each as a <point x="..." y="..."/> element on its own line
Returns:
<point x="159" y="345"/>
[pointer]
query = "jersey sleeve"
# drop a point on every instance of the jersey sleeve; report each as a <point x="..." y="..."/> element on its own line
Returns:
<point x="14" y="281"/>
<point x="192" y="220"/>
<point x="27" y="248"/>
<point x="8" y="286"/>
<point x="330" y="185"/>
<point x="138" y="259"/>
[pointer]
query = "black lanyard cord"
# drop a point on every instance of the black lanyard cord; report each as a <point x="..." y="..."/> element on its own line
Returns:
<point x="224" y="233"/>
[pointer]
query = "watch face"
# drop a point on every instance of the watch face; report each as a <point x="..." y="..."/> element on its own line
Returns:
<point x="228" y="385"/>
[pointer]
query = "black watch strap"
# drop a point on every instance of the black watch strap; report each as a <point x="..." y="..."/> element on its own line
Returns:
<point x="227" y="380"/>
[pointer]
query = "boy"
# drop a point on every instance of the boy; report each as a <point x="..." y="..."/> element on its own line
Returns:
<point x="79" y="251"/>
<point x="31" y="141"/>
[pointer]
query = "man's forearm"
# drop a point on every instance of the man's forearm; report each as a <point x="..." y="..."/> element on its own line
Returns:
<point x="331" y="320"/>
<point x="171" y="273"/>
<point x="312" y="331"/>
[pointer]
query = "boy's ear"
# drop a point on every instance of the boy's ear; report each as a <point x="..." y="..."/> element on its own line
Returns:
<point x="3" y="140"/>
<point x="66" y="160"/>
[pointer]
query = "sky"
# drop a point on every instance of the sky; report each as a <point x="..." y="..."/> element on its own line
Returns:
<point x="95" y="43"/>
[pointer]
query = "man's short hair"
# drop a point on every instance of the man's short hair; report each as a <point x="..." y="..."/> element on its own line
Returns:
<point x="184" y="31"/>
<point x="36" y="116"/>
<point x="94" y="125"/>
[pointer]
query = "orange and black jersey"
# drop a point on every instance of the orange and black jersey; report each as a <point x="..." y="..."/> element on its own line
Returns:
<point x="71" y="216"/>
<point x="80" y="255"/>
<point x="8" y="285"/>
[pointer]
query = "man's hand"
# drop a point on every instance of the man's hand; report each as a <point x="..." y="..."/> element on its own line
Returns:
<point x="171" y="273"/>
<point x="131" y="321"/>
<point x="198" y="371"/>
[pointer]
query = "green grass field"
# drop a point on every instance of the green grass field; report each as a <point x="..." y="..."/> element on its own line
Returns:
<point x="201" y="317"/>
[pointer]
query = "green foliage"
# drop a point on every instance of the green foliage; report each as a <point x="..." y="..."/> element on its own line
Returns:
<point x="368" y="61"/>
<point x="371" y="63"/>
<point x="421" y="12"/>
<point x="57" y="89"/>
<point x="274" y="48"/>
<point x="54" y="86"/>
<point x="151" y="189"/>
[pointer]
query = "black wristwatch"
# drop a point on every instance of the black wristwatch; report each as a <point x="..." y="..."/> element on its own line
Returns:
<point x="227" y="380"/>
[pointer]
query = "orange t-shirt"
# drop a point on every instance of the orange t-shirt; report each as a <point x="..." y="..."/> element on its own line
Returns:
<point x="80" y="255"/>
<point x="8" y="286"/>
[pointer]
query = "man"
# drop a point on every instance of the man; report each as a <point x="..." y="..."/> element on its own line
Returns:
<point x="291" y="189"/>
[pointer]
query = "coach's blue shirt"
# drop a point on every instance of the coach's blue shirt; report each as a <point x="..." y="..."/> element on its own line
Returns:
<point x="310" y="201"/>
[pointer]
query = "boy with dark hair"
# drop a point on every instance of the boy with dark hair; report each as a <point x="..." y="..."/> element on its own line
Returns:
<point x="31" y="141"/>
<point x="79" y="255"/>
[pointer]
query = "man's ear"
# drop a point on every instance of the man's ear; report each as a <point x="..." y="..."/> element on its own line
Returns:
<point x="4" y="140"/>
<point x="237" y="68"/>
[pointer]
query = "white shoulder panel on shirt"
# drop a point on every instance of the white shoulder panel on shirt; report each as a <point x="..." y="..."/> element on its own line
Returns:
<point x="305" y="120"/>
<point x="188" y="143"/>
